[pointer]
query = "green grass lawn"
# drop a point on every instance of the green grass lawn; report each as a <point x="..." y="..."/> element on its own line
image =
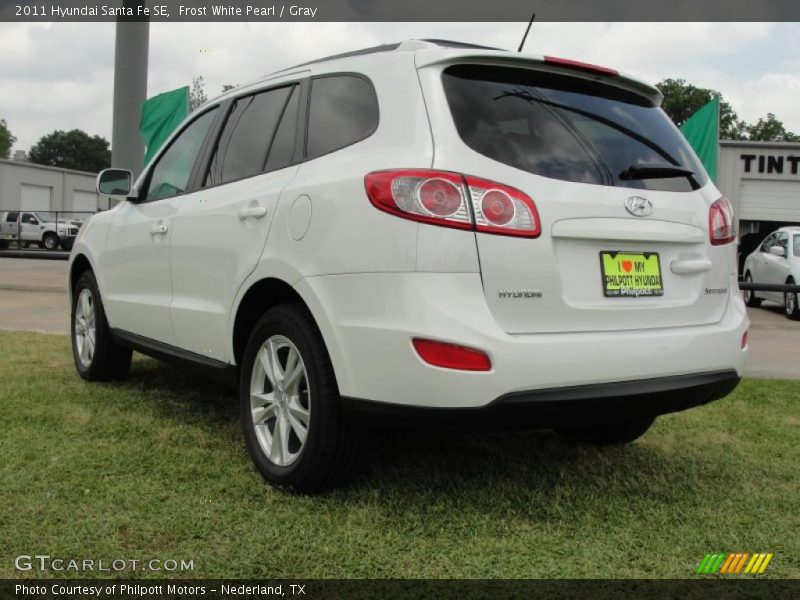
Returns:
<point x="154" y="467"/>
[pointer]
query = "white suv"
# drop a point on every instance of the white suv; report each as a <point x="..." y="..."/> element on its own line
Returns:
<point x="420" y="233"/>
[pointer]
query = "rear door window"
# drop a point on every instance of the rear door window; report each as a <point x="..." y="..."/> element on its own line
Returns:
<point x="565" y="127"/>
<point x="249" y="134"/>
<point x="343" y="110"/>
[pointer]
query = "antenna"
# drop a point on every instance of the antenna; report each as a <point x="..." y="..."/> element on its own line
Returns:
<point x="524" y="37"/>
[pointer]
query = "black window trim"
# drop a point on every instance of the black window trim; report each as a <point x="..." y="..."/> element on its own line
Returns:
<point x="307" y="111"/>
<point x="141" y="197"/>
<point x="208" y="152"/>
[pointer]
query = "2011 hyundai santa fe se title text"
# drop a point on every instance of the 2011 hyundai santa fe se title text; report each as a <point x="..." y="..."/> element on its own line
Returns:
<point x="426" y="233"/>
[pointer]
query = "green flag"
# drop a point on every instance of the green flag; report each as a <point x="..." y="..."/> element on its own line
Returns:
<point x="701" y="130"/>
<point x="160" y="116"/>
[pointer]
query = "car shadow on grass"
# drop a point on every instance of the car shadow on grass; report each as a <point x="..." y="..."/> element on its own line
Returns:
<point x="407" y="471"/>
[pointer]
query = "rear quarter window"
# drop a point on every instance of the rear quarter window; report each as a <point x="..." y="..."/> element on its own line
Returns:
<point x="343" y="110"/>
<point x="564" y="127"/>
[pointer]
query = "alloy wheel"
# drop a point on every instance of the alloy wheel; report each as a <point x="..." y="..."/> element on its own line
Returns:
<point x="280" y="400"/>
<point x="85" y="327"/>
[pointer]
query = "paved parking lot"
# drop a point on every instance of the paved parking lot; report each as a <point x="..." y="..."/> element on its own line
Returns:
<point x="33" y="297"/>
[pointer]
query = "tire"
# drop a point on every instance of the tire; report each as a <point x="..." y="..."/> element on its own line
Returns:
<point x="50" y="241"/>
<point x="622" y="432"/>
<point x="749" y="295"/>
<point x="102" y="359"/>
<point x="328" y="456"/>
<point x="790" y="303"/>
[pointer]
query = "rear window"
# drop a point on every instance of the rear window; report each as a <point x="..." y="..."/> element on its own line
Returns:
<point x="566" y="128"/>
<point x="343" y="110"/>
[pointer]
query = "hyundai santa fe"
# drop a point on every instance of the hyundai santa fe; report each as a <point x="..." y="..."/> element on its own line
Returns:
<point x="425" y="233"/>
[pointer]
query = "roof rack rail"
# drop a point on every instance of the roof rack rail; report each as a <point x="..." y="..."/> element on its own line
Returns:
<point x="465" y="45"/>
<point x="371" y="50"/>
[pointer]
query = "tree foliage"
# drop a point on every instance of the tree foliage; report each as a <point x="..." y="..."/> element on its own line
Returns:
<point x="682" y="100"/>
<point x="74" y="149"/>
<point x="197" y="94"/>
<point x="7" y="139"/>
<point x="770" y="129"/>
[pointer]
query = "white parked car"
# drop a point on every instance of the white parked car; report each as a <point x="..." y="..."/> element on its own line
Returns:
<point x="775" y="261"/>
<point x="424" y="232"/>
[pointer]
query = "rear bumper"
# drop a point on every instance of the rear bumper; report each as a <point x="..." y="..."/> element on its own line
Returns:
<point x="369" y="320"/>
<point x="556" y="407"/>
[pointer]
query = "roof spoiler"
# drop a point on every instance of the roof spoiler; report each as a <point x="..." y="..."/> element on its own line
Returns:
<point x="426" y="58"/>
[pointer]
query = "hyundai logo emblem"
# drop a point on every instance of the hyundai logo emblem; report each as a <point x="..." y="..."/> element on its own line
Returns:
<point x="638" y="206"/>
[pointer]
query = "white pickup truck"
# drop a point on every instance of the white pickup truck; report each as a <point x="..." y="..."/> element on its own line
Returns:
<point x="39" y="228"/>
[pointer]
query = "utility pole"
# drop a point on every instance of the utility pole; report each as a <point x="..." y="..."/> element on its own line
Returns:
<point x="131" y="51"/>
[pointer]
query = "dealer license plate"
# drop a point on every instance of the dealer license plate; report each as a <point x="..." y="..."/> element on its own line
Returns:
<point x="631" y="274"/>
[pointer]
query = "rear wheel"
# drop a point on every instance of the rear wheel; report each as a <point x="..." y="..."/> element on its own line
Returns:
<point x="97" y="357"/>
<point x="790" y="304"/>
<point x="749" y="295"/>
<point x="290" y="411"/>
<point x="50" y="241"/>
<point x="620" y="432"/>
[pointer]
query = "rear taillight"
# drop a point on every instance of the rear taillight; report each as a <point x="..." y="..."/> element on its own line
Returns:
<point x="451" y="356"/>
<point x="453" y="200"/>
<point x="502" y="209"/>
<point x="721" y="226"/>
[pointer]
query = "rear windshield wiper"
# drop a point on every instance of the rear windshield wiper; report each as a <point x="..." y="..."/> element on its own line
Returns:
<point x="654" y="171"/>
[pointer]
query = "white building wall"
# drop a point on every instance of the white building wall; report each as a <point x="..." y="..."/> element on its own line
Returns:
<point x="24" y="182"/>
<point x="761" y="179"/>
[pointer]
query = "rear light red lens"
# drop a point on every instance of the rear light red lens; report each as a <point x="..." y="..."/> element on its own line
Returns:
<point x="502" y="209"/>
<point x="453" y="200"/>
<point x="436" y="197"/>
<point x="580" y="66"/>
<point x="721" y="224"/>
<point x="744" y="340"/>
<point x="497" y="207"/>
<point x="440" y="197"/>
<point x="451" y="356"/>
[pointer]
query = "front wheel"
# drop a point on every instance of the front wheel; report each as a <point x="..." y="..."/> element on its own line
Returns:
<point x="749" y="295"/>
<point x="290" y="411"/>
<point x="97" y="357"/>
<point x="790" y="304"/>
<point x="620" y="432"/>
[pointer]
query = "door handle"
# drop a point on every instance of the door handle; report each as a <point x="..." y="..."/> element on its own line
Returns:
<point x="256" y="212"/>
<point x="690" y="265"/>
<point x="159" y="229"/>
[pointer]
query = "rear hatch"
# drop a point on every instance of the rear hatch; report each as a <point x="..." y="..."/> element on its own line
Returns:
<point x="622" y="199"/>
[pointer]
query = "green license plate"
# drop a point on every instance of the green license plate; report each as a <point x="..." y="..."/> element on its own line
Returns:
<point x="631" y="274"/>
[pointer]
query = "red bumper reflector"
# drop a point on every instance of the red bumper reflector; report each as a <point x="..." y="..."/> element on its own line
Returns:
<point x="451" y="356"/>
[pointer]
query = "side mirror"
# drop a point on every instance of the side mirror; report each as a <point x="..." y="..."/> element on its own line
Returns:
<point x="777" y="251"/>
<point x="114" y="182"/>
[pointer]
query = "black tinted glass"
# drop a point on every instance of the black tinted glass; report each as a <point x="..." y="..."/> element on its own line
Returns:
<point x="565" y="127"/>
<point x="245" y="141"/>
<point x="282" y="150"/>
<point x="343" y="110"/>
